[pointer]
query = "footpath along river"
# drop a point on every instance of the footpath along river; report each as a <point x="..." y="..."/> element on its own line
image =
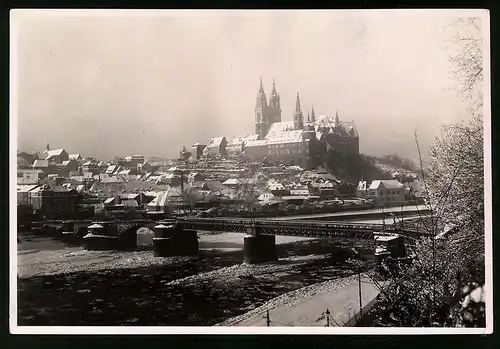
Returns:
<point x="192" y="291"/>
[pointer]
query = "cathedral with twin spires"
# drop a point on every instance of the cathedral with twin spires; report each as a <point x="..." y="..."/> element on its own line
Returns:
<point x="266" y="113"/>
<point x="298" y="141"/>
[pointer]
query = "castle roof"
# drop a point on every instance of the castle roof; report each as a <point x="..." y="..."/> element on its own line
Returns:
<point x="329" y="125"/>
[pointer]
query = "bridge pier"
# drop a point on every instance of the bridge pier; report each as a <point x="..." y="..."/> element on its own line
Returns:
<point x="172" y="241"/>
<point x="97" y="240"/>
<point x="68" y="233"/>
<point x="259" y="248"/>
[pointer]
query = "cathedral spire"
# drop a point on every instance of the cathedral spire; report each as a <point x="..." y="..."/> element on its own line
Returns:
<point x="297" y="103"/>
<point x="261" y="89"/>
<point x="313" y="117"/>
<point x="337" y="121"/>
<point x="274" y="87"/>
<point x="308" y="118"/>
<point x="298" y="119"/>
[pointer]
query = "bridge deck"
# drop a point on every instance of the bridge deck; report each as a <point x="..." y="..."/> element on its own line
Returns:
<point x="318" y="228"/>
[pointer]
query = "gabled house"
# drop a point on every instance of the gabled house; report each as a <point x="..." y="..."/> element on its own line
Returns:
<point x="232" y="183"/>
<point x="387" y="191"/>
<point x="216" y="147"/>
<point x="56" y="156"/>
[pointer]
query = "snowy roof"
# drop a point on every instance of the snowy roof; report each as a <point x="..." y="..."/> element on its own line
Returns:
<point x="266" y="197"/>
<point x="279" y="128"/>
<point x="165" y="196"/>
<point x="109" y="201"/>
<point x="66" y="162"/>
<point x="41" y="163"/>
<point x="327" y="124"/>
<point x="74" y="156"/>
<point x="286" y="137"/>
<point x="362" y="185"/>
<point x="112" y="180"/>
<point x="54" y="152"/>
<point x="231" y="181"/>
<point x="24" y="188"/>
<point x="111" y="169"/>
<point x="129" y="196"/>
<point x="257" y="143"/>
<point x="386" y="183"/>
<point x="215" y="142"/>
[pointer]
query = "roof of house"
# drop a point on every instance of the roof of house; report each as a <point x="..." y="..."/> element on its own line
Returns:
<point x="164" y="197"/>
<point x="74" y="156"/>
<point x="386" y="183"/>
<point x="109" y="200"/>
<point x="231" y="181"/>
<point x="24" y="188"/>
<point x="55" y="152"/>
<point x="41" y="163"/>
<point x="214" y="186"/>
<point x="111" y="169"/>
<point x="215" y="142"/>
<point x="30" y="170"/>
<point x="112" y="179"/>
<point x="266" y="196"/>
<point x="129" y="196"/>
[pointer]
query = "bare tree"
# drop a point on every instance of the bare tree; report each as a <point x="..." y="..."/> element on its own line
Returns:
<point x="427" y="293"/>
<point x="467" y="58"/>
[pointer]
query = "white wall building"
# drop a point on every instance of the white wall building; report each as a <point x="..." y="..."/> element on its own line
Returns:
<point x="386" y="191"/>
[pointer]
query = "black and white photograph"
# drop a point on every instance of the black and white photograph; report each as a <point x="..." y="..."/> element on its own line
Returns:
<point x="225" y="171"/>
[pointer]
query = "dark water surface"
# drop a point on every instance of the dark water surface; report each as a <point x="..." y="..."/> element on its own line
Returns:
<point x="143" y="296"/>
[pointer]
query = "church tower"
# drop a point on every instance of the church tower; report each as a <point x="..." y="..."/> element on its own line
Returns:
<point x="274" y="111"/>
<point x="298" y="119"/>
<point x="261" y="117"/>
<point x="313" y="117"/>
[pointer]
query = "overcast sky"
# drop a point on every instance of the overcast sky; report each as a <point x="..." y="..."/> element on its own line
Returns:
<point x="103" y="84"/>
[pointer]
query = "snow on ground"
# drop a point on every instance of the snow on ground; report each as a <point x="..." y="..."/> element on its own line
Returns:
<point x="229" y="274"/>
<point x="76" y="259"/>
<point x="306" y="306"/>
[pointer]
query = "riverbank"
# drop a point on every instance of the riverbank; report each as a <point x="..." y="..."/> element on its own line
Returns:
<point x="308" y="306"/>
<point x="134" y="288"/>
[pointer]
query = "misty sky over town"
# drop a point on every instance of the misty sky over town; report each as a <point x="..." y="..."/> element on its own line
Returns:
<point x="105" y="85"/>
